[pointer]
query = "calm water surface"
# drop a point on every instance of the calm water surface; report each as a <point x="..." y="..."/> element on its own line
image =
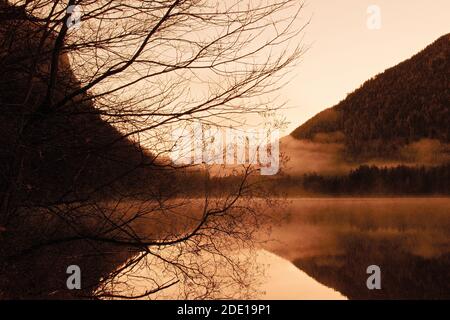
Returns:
<point x="334" y="240"/>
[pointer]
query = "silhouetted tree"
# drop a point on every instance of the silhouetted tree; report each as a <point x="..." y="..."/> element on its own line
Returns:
<point x="87" y="111"/>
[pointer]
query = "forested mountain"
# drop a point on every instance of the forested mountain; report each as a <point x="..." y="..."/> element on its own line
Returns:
<point x="404" y="104"/>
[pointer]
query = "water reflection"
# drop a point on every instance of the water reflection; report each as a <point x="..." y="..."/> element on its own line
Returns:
<point x="334" y="240"/>
<point x="283" y="281"/>
<point x="280" y="280"/>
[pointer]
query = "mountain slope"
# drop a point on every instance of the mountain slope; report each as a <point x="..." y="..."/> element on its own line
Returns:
<point x="60" y="152"/>
<point x="404" y="104"/>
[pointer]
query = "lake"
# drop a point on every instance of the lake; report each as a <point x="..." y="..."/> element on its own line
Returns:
<point x="334" y="240"/>
<point x="321" y="248"/>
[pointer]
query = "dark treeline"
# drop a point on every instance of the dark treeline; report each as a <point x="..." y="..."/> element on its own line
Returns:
<point x="365" y="180"/>
<point x="400" y="180"/>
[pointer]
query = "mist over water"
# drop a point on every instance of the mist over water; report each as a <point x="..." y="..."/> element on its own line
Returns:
<point x="334" y="240"/>
<point x="306" y="156"/>
<point x="327" y="155"/>
<point x="320" y="248"/>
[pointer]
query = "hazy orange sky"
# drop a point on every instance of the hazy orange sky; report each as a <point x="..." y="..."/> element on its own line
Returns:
<point x="344" y="52"/>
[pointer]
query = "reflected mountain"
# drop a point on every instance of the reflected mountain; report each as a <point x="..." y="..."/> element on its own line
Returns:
<point x="335" y="240"/>
<point x="404" y="275"/>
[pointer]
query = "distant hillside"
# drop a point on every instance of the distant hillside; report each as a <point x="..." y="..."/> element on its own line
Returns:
<point x="54" y="152"/>
<point x="404" y="104"/>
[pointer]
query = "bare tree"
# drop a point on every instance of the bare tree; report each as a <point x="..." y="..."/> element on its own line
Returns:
<point x="88" y="108"/>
